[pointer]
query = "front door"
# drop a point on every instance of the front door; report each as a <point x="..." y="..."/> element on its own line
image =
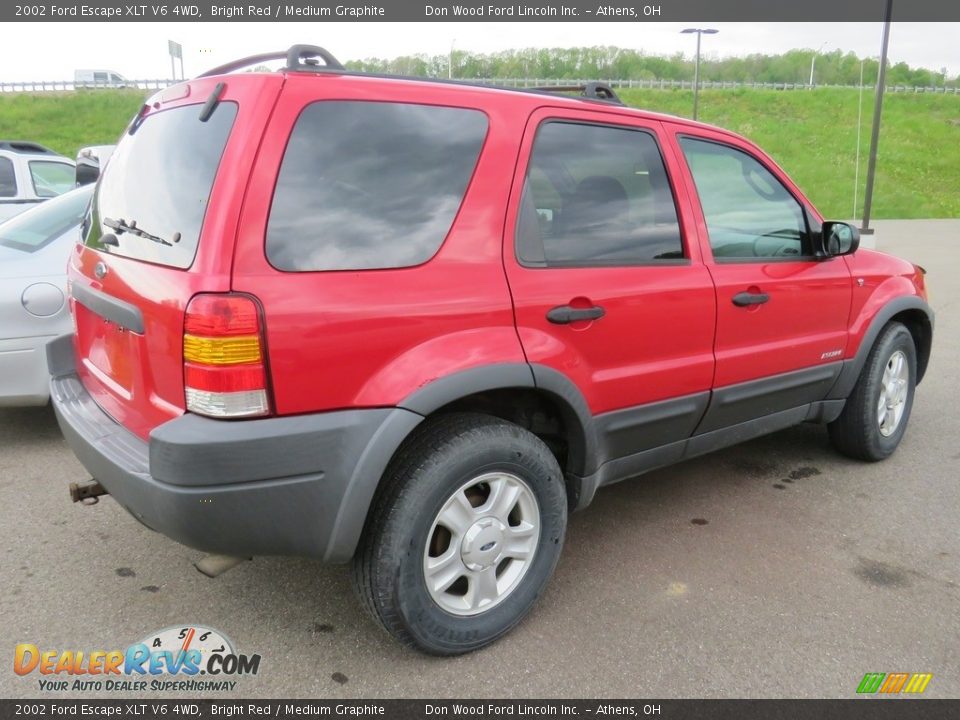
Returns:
<point x="781" y="312"/>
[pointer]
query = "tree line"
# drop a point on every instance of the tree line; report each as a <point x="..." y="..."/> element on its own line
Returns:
<point x="613" y="63"/>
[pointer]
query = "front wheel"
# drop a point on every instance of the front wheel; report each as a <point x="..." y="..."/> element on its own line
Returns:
<point x="464" y="535"/>
<point x="875" y="417"/>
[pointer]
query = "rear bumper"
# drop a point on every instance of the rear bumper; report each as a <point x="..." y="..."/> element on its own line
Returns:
<point x="279" y="486"/>
<point x="24" y="379"/>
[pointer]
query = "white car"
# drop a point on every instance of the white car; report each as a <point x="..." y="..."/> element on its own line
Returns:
<point x="30" y="174"/>
<point x="34" y="247"/>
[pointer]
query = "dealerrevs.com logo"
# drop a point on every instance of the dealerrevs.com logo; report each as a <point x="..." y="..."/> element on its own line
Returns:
<point x="186" y="658"/>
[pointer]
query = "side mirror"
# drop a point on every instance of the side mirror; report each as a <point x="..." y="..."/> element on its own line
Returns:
<point x="839" y="238"/>
<point x="88" y="170"/>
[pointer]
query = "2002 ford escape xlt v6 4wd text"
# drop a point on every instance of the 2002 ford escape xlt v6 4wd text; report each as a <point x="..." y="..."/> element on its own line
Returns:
<point x="413" y="324"/>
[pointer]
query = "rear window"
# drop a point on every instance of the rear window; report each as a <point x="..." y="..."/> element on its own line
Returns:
<point x="160" y="179"/>
<point x="367" y="185"/>
<point x="41" y="225"/>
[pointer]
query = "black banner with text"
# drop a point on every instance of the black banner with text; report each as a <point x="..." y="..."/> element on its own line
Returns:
<point x="862" y="709"/>
<point x="479" y="11"/>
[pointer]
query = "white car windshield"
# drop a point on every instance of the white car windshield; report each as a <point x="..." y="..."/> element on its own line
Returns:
<point x="34" y="229"/>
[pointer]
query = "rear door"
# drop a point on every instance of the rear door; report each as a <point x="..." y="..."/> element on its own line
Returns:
<point x="781" y="312"/>
<point x="372" y="238"/>
<point x="607" y="280"/>
<point x="180" y="181"/>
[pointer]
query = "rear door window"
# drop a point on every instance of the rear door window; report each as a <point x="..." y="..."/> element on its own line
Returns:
<point x="52" y="178"/>
<point x="367" y="185"/>
<point x="160" y="178"/>
<point x="8" y="179"/>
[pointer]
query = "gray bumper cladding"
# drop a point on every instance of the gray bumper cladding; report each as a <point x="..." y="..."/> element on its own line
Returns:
<point x="280" y="486"/>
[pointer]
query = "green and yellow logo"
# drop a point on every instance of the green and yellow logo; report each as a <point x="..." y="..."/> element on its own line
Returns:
<point x="893" y="683"/>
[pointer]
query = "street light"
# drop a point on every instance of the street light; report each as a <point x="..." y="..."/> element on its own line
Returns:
<point x="696" y="71"/>
<point x="877" y="111"/>
<point x="450" y="63"/>
<point x="813" y="59"/>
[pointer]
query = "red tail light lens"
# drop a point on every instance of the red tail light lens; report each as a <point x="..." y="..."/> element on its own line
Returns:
<point x="222" y="315"/>
<point x="223" y="358"/>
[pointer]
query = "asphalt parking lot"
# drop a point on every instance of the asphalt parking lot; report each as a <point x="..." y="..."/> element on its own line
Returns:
<point x="776" y="568"/>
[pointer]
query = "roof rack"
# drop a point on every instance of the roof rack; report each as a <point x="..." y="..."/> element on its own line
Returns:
<point x="591" y="90"/>
<point x="24" y="146"/>
<point x="299" y="57"/>
<point x="303" y="58"/>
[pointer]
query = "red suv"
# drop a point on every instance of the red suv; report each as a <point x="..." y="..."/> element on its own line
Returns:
<point x="414" y="324"/>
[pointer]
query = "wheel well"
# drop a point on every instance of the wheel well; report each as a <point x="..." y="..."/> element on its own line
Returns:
<point x="917" y="322"/>
<point x="543" y="414"/>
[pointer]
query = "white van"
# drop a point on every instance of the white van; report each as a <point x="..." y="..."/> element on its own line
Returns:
<point x="99" y="78"/>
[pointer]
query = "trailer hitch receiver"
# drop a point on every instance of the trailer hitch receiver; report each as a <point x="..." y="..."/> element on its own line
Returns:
<point x="87" y="493"/>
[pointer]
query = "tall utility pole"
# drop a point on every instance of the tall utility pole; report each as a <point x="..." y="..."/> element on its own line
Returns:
<point x="696" y="67"/>
<point x="450" y="61"/>
<point x="875" y="135"/>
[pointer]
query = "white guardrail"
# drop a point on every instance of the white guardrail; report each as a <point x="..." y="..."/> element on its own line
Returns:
<point x="69" y="85"/>
<point x="705" y="84"/>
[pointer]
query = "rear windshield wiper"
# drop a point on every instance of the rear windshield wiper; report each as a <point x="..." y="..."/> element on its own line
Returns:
<point x="122" y="226"/>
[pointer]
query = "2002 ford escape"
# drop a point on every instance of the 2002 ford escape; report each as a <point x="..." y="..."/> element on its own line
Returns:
<point x="413" y="324"/>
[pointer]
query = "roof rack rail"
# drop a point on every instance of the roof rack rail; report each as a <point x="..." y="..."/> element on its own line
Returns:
<point x="298" y="57"/>
<point x="591" y="90"/>
<point x="26" y="146"/>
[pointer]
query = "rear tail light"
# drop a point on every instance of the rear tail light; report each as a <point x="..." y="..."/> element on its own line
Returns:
<point x="223" y="357"/>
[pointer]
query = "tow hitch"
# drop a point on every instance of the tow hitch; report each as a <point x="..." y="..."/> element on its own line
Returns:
<point x="87" y="493"/>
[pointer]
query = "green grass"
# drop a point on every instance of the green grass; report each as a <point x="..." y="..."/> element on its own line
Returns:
<point x="812" y="134"/>
<point x="68" y="121"/>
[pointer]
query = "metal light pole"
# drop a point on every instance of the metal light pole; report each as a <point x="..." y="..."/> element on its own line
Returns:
<point x="856" y="169"/>
<point x="450" y="61"/>
<point x="875" y="135"/>
<point x="813" y="59"/>
<point x="696" y="67"/>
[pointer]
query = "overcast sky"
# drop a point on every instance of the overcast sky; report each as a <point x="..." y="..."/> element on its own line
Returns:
<point x="139" y="50"/>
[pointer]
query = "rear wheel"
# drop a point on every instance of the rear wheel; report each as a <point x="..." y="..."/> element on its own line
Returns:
<point x="464" y="535"/>
<point x="875" y="417"/>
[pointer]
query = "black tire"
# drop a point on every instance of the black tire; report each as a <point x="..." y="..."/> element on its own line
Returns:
<point x="856" y="433"/>
<point x="446" y="452"/>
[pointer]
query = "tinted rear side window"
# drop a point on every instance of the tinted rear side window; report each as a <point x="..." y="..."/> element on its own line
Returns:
<point x="160" y="178"/>
<point x="367" y="185"/>
<point x="8" y="179"/>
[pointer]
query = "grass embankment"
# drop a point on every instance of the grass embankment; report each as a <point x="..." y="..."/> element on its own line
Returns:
<point x="812" y="134"/>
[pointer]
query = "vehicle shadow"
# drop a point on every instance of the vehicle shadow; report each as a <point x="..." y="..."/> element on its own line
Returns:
<point x="26" y="427"/>
<point x="321" y="612"/>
